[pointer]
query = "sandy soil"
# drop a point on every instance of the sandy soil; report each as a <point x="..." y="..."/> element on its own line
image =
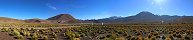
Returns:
<point x="5" y="36"/>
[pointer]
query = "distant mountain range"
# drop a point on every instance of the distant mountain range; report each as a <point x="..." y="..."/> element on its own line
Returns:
<point x="145" y="17"/>
<point x="142" y="17"/>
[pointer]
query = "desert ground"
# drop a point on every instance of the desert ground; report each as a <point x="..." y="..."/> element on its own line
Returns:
<point x="97" y="32"/>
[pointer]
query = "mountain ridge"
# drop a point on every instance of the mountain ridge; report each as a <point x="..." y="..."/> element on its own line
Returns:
<point x="141" y="17"/>
<point x="147" y="17"/>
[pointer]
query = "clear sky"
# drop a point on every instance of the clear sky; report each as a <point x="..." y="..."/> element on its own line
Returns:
<point x="92" y="9"/>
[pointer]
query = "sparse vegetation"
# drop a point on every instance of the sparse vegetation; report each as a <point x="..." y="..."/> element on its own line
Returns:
<point x="105" y="32"/>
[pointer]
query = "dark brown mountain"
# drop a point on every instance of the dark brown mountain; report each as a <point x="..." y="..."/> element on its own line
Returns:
<point x="63" y="18"/>
<point x="36" y="20"/>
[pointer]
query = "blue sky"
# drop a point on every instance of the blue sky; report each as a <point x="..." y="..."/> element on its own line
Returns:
<point x="92" y="9"/>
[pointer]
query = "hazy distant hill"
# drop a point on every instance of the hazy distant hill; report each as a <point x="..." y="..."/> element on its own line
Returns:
<point x="184" y="19"/>
<point x="10" y="20"/>
<point x="63" y="18"/>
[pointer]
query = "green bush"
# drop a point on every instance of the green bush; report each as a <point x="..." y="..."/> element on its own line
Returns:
<point x="28" y="34"/>
<point x="20" y="37"/>
<point x="34" y="37"/>
<point x="5" y="29"/>
<point x="45" y="37"/>
<point x="16" y="33"/>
